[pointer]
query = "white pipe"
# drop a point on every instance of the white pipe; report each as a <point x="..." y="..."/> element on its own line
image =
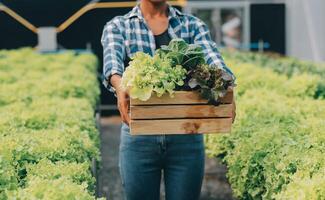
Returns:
<point x="311" y="31"/>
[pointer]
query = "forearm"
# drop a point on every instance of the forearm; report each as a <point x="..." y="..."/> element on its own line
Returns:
<point x="113" y="55"/>
<point x="115" y="81"/>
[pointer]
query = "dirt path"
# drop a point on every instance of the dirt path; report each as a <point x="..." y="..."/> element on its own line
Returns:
<point x="215" y="186"/>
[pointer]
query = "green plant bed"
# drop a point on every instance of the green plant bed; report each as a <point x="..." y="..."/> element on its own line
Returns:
<point x="48" y="134"/>
<point x="282" y="65"/>
<point x="276" y="148"/>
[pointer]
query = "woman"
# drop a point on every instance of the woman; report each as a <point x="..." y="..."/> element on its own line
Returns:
<point x="145" y="159"/>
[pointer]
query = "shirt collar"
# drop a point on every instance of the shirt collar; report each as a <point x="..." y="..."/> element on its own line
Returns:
<point x="136" y="12"/>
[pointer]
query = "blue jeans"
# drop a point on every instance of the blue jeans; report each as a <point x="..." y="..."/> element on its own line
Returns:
<point x="144" y="159"/>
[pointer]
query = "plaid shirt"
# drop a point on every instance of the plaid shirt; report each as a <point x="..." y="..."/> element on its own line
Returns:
<point x="123" y="36"/>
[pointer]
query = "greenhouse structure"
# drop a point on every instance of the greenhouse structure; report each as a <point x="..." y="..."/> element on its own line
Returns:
<point x="156" y="99"/>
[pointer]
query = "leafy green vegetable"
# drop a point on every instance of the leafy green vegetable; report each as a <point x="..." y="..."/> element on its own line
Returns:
<point x="57" y="189"/>
<point x="178" y="66"/>
<point x="211" y="81"/>
<point x="77" y="172"/>
<point x="147" y="74"/>
<point x="181" y="53"/>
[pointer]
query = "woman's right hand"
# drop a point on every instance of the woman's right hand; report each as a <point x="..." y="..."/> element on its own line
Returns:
<point x="123" y="100"/>
<point x="123" y="104"/>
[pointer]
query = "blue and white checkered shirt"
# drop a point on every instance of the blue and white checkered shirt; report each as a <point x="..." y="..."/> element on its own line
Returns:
<point x="123" y="36"/>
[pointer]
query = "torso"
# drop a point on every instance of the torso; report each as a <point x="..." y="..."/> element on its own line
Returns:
<point x="159" y="28"/>
<point x="162" y="39"/>
<point x="144" y="40"/>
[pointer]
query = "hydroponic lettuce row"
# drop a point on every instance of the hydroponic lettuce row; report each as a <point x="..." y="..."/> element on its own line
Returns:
<point x="178" y="66"/>
<point x="48" y="134"/>
<point x="276" y="148"/>
<point x="282" y="65"/>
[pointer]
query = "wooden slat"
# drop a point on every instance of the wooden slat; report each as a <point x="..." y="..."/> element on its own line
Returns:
<point x="180" y="126"/>
<point x="180" y="97"/>
<point x="180" y="111"/>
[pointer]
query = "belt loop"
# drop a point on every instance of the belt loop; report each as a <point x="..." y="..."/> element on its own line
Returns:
<point x="163" y="142"/>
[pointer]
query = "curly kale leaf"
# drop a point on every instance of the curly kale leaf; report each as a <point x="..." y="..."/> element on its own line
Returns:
<point x="211" y="81"/>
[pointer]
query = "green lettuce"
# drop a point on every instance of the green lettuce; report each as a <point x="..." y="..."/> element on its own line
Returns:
<point x="211" y="81"/>
<point x="146" y="75"/>
<point x="176" y="66"/>
<point x="181" y="53"/>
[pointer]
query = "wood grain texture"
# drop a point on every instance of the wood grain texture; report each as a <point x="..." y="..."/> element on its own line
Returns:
<point x="180" y="126"/>
<point x="180" y="111"/>
<point x="180" y="97"/>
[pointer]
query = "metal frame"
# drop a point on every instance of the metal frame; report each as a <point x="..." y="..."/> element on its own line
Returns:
<point x="18" y="18"/>
<point x="98" y="5"/>
<point x="226" y="4"/>
<point x="79" y="13"/>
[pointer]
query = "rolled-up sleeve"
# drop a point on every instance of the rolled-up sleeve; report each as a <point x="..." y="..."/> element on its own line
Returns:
<point x="212" y="55"/>
<point x="113" y="53"/>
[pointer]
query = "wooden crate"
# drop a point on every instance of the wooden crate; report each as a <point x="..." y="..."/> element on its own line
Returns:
<point x="185" y="113"/>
